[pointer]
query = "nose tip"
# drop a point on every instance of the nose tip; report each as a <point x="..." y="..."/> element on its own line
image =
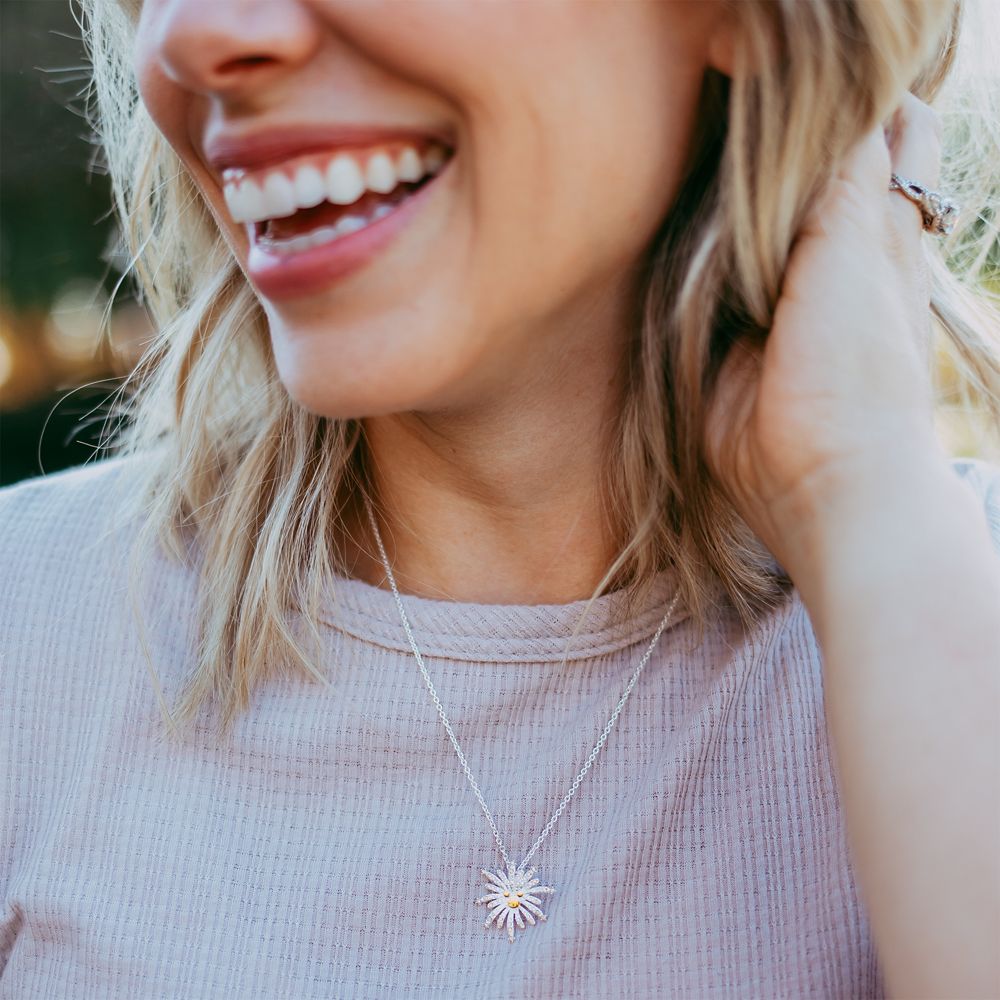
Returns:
<point x="225" y="46"/>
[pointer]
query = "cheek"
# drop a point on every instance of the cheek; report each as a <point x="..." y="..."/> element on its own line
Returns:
<point x="161" y="97"/>
<point x="456" y="50"/>
<point x="166" y="103"/>
<point x="627" y="115"/>
<point x="576" y="169"/>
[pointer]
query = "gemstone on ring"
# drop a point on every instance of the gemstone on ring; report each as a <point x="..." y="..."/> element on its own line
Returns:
<point x="938" y="211"/>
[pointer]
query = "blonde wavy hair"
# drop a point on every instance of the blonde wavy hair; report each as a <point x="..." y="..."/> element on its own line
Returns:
<point x="249" y="489"/>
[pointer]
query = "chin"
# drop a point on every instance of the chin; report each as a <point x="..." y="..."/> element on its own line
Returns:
<point x="339" y="389"/>
<point x="425" y="359"/>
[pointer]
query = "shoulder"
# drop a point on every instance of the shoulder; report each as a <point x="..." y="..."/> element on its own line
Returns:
<point x="66" y="663"/>
<point x="77" y="603"/>
<point x="62" y="536"/>
<point x="983" y="477"/>
<point x="60" y="511"/>
<point x="65" y="488"/>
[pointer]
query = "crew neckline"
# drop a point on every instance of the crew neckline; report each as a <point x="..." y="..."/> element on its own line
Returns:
<point x="498" y="633"/>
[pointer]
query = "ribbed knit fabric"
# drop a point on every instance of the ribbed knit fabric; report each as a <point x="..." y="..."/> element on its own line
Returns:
<point x="332" y="848"/>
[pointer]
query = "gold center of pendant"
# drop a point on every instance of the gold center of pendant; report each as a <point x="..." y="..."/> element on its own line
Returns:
<point x="513" y="903"/>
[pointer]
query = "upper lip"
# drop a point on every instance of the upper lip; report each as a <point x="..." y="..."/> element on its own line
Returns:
<point x="224" y="149"/>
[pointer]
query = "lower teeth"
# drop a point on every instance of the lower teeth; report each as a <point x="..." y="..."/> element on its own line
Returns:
<point x="327" y="234"/>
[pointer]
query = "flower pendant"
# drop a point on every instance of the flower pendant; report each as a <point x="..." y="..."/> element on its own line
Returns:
<point x="514" y="898"/>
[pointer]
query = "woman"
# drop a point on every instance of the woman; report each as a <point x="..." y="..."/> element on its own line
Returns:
<point x="551" y="382"/>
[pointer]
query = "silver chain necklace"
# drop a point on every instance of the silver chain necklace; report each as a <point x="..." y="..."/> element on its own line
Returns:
<point x="514" y="893"/>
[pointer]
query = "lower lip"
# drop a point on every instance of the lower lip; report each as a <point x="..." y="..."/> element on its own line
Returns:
<point x="316" y="269"/>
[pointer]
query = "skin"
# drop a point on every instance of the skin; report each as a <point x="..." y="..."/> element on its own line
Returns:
<point x="487" y="443"/>
<point x="455" y="345"/>
<point x="824" y="439"/>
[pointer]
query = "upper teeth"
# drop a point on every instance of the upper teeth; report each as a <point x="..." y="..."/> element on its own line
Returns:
<point x="342" y="179"/>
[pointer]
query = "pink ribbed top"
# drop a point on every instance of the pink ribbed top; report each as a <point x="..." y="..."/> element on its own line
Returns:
<point x="331" y="847"/>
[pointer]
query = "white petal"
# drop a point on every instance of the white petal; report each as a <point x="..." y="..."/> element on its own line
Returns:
<point x="499" y="884"/>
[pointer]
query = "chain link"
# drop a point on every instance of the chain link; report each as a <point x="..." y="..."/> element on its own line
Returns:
<point x="451" y="735"/>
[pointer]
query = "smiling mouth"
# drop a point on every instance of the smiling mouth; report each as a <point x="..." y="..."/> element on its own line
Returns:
<point x="316" y="200"/>
<point x="325" y="223"/>
<point x="315" y="218"/>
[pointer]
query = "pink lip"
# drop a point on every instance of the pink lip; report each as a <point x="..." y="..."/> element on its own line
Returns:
<point x="222" y="150"/>
<point x="315" y="270"/>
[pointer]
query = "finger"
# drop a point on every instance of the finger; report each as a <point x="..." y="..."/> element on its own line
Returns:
<point x="859" y="197"/>
<point x="868" y="164"/>
<point x="855" y="196"/>
<point x="913" y="135"/>
<point x="732" y="401"/>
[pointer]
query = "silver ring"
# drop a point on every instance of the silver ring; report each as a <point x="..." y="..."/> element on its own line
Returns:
<point x="939" y="211"/>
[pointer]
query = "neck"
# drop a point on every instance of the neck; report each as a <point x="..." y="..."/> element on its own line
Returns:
<point x="497" y="504"/>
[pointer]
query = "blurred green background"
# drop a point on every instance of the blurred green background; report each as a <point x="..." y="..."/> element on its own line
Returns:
<point x="61" y="356"/>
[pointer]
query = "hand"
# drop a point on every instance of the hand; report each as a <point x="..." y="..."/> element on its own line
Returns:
<point x="841" y="388"/>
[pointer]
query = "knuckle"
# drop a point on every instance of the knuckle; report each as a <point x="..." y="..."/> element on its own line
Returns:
<point x="936" y="123"/>
<point x="922" y="114"/>
<point x="931" y="120"/>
